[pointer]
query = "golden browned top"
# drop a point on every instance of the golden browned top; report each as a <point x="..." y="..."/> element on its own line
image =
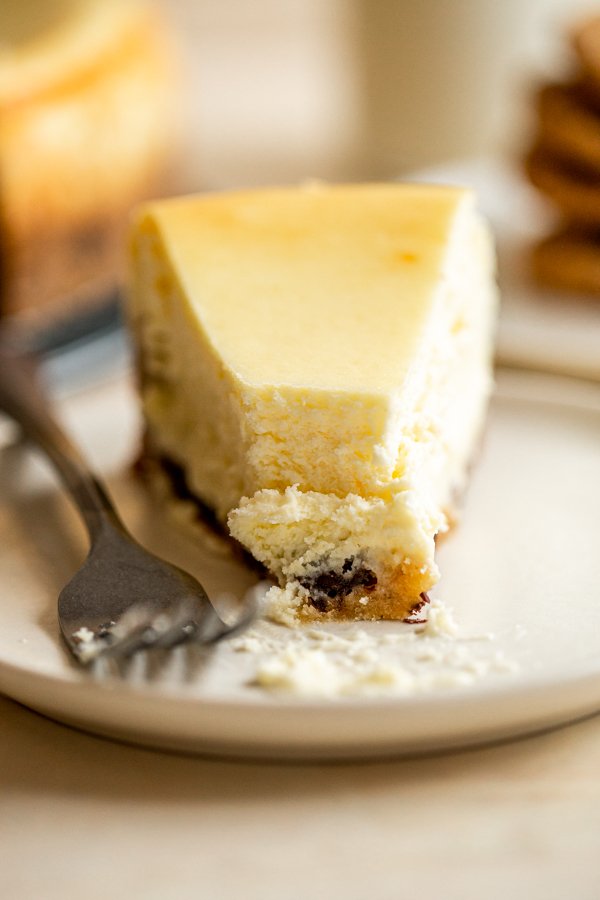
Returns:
<point x="330" y="283"/>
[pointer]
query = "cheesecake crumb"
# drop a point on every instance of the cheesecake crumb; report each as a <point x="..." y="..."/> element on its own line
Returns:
<point x="83" y="635"/>
<point x="440" y="621"/>
<point x="87" y="646"/>
<point x="326" y="660"/>
<point x="282" y="605"/>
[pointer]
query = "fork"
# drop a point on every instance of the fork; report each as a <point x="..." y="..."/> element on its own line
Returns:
<point x="123" y="598"/>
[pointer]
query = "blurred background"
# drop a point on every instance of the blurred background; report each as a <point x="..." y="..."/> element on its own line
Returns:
<point x="104" y="103"/>
<point x="277" y="90"/>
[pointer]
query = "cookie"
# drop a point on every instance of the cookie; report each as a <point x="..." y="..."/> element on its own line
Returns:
<point x="568" y="260"/>
<point x="564" y="164"/>
<point x="586" y="43"/>
<point x="575" y="191"/>
<point x="568" y="126"/>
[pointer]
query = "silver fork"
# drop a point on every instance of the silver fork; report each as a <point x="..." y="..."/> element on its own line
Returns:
<point x="123" y="598"/>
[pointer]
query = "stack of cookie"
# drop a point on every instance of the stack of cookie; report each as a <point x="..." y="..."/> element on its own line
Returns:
<point x="565" y="165"/>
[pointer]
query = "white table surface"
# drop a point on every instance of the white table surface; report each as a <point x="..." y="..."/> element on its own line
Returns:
<point x="85" y="817"/>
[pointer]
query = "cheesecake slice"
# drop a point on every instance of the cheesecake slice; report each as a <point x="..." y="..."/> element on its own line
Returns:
<point x="315" y="365"/>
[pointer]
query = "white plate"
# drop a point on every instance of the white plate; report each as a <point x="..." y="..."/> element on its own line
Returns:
<point x="539" y="328"/>
<point x="524" y="564"/>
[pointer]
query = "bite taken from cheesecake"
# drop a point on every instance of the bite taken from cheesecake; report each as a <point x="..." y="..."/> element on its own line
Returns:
<point x="315" y="365"/>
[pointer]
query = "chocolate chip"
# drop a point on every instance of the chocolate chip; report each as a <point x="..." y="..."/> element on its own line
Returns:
<point x="424" y="599"/>
<point x="328" y="589"/>
<point x="320" y="603"/>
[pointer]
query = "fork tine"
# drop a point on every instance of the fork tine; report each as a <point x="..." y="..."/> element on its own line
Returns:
<point x="162" y="632"/>
<point x="212" y="628"/>
<point x="226" y="630"/>
<point x="138" y="630"/>
<point x="186" y="625"/>
<point x="176" y="634"/>
<point x="141" y="637"/>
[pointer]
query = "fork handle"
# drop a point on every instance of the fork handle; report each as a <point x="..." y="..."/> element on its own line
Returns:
<point x="23" y="398"/>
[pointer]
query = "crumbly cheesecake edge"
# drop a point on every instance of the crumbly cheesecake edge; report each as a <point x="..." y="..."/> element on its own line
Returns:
<point x="351" y="592"/>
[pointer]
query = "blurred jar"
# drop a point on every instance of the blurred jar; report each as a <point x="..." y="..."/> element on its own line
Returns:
<point x="442" y="79"/>
<point x="87" y="92"/>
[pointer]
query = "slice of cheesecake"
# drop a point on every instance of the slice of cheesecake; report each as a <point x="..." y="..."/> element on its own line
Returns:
<point x="315" y="365"/>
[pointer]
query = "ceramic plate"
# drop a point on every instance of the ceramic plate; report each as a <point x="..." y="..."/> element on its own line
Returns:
<point x="523" y="565"/>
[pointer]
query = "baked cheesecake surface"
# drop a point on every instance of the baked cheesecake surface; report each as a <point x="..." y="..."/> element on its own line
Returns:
<point x="316" y="361"/>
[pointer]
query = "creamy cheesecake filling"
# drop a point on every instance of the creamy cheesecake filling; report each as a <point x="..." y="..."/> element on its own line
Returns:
<point x="298" y="534"/>
<point x="336" y="485"/>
